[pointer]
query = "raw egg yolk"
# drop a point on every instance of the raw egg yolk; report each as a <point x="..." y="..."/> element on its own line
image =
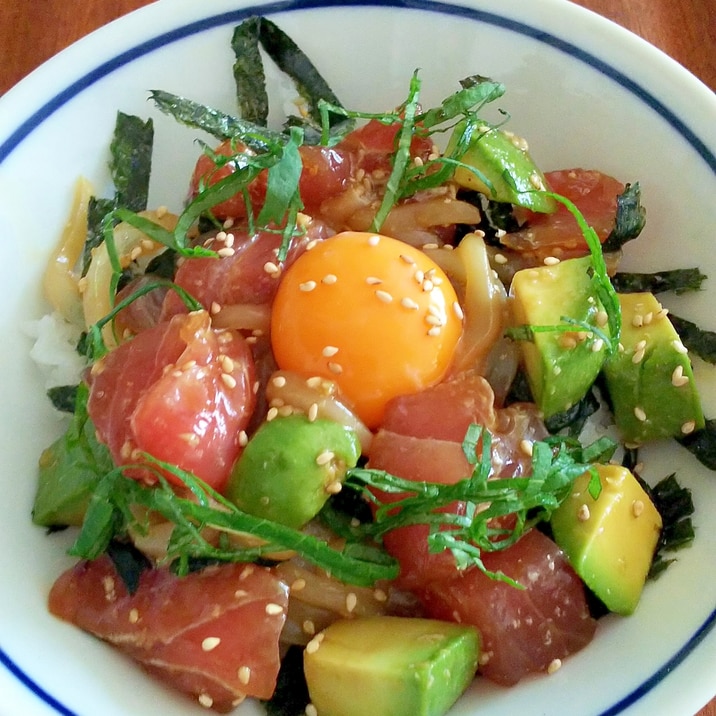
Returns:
<point x="373" y="314"/>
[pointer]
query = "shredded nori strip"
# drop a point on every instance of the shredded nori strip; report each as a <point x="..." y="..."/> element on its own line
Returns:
<point x="630" y="218"/>
<point x="249" y="75"/>
<point x="699" y="341"/>
<point x="96" y="211"/>
<point x="290" y="697"/>
<point x="129" y="563"/>
<point x="676" y="280"/>
<point x="214" y="122"/>
<point x="291" y="60"/>
<point x="63" y="397"/>
<point x="702" y="444"/>
<point x="131" y="161"/>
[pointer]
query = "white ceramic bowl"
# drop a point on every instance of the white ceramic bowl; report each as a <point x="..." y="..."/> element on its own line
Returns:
<point x="583" y="91"/>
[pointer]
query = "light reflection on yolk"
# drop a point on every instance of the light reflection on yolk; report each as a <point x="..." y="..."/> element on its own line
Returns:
<point x="372" y="313"/>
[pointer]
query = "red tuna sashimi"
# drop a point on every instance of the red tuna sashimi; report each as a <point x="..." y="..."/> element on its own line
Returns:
<point x="212" y="634"/>
<point x="523" y="630"/>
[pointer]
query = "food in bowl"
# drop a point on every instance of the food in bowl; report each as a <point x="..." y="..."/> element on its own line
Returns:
<point x="301" y="412"/>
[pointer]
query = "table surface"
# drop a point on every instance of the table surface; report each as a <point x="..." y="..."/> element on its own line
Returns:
<point x="684" y="29"/>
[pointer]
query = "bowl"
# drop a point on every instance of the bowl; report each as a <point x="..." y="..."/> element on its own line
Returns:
<point x="582" y="90"/>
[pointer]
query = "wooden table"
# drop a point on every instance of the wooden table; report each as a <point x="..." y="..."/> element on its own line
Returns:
<point x="33" y="31"/>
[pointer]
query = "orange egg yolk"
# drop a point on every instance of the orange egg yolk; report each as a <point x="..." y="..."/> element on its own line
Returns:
<point x="373" y="314"/>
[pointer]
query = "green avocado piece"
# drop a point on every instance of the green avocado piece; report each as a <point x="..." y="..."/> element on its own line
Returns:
<point x="390" y="666"/>
<point x="651" y="381"/>
<point x="503" y="160"/>
<point x="560" y="366"/>
<point x="69" y="471"/>
<point x="291" y="466"/>
<point x="609" y="541"/>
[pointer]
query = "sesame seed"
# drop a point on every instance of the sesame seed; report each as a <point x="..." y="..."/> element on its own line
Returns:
<point x="307" y="286"/>
<point x="329" y="351"/>
<point x="678" y="379"/>
<point x="583" y="513"/>
<point x="314" y="382"/>
<point x="408" y="303"/>
<point x="311" y="244"/>
<point x="162" y="211"/>
<point x="271" y="414"/>
<point x="567" y="341"/>
<point x="419" y="276"/>
<point x="325" y="457"/>
<point x="226" y="252"/>
<point x="210" y="643"/>
<point x="335" y="368"/>
<point x="313" y="412"/>
<point x="554" y="665"/>
<point x="661" y="314"/>
<point x="279" y="381"/>
<point x="273" y="609"/>
<point x="457" y="310"/>
<point x="407" y="259"/>
<point x="189" y="438"/>
<point x="215" y="308"/>
<point x="383" y="296"/>
<point x="597" y="345"/>
<point x="679" y="347"/>
<point x="380" y="596"/>
<point x="637" y="320"/>
<point x="133" y="616"/>
<point x="536" y="181"/>
<point x="244" y="674"/>
<point x="374" y="240"/>
<point x="434" y="320"/>
<point x="637" y="507"/>
<point x="602" y="318"/>
<point x="298" y="584"/>
<point x="227" y="363"/>
<point x="373" y="280"/>
<point x="638" y="356"/>
<point x="312" y="646"/>
<point x="206" y="701"/>
<point x="550" y="261"/>
<point x="428" y="246"/>
<point x="329" y="279"/>
<point x="311" y="710"/>
<point x="500" y="259"/>
<point x="688" y="427"/>
<point x="434" y="331"/>
<point x="271" y="269"/>
<point x="648" y="318"/>
<point x="228" y="380"/>
<point x="243" y="438"/>
<point x="428" y="285"/>
<point x="526" y="446"/>
<point x="639" y="414"/>
<point x="351" y="601"/>
<point x="309" y="627"/>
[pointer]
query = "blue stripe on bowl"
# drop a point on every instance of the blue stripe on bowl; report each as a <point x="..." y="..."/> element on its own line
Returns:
<point x="87" y="80"/>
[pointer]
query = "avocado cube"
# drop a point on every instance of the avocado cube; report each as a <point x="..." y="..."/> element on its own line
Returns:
<point x="610" y="541"/>
<point x="650" y="380"/>
<point x="390" y="666"/>
<point x="560" y="365"/>
<point x="498" y="164"/>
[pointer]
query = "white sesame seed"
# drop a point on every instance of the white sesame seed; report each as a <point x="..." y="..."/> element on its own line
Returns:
<point x="329" y="351"/>
<point x="428" y="285"/>
<point x="313" y="412"/>
<point x="351" y="602"/>
<point x="407" y="259"/>
<point x="679" y="347"/>
<point x="374" y="240"/>
<point x="298" y="584"/>
<point x="526" y="446"/>
<point x="550" y="261"/>
<point x="244" y="674"/>
<point x="419" y="276"/>
<point x="271" y="268"/>
<point x="457" y="310"/>
<point x="308" y="627"/>
<point x="226" y="252"/>
<point x="329" y="279"/>
<point x="206" y="701"/>
<point x="597" y="345"/>
<point x="500" y="259"/>
<point x="637" y="320"/>
<point x="688" y="427"/>
<point x="335" y="368"/>
<point x="271" y="414"/>
<point x="133" y="616"/>
<point x="312" y="646"/>
<point x="602" y="318"/>
<point x="408" y="303"/>
<point x="383" y="296"/>
<point x="554" y="665"/>
<point x="637" y="507"/>
<point x="325" y="457"/>
<point x="307" y="286"/>
<point x="273" y="609"/>
<point x="311" y="710"/>
<point x="434" y="320"/>
<point x="243" y="438"/>
<point x="380" y="596"/>
<point x="678" y="379"/>
<point x="639" y="414"/>
<point x="279" y="381"/>
<point x="210" y="643"/>
<point x="228" y="380"/>
<point x="373" y="280"/>
<point x="583" y="513"/>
